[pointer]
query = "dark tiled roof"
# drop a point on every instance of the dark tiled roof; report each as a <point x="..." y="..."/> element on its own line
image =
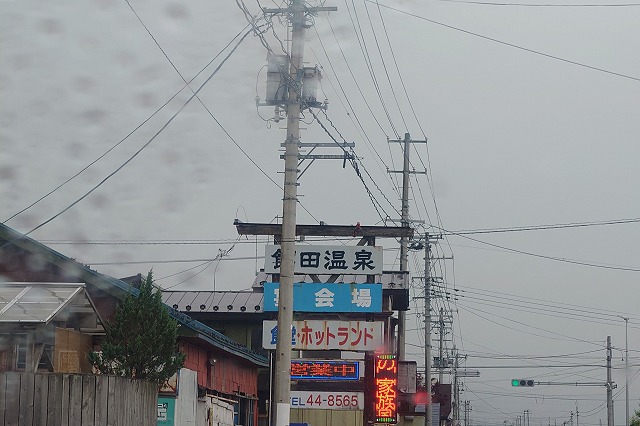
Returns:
<point x="120" y="289"/>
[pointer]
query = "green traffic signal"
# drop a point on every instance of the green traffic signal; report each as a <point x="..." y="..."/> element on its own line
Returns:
<point x="522" y="382"/>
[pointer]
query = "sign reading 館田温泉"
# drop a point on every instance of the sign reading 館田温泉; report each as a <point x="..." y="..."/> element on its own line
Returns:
<point x="327" y="297"/>
<point x="321" y="335"/>
<point x="365" y="260"/>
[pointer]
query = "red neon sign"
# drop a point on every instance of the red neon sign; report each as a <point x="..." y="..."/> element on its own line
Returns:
<point x="385" y="374"/>
<point x="325" y="370"/>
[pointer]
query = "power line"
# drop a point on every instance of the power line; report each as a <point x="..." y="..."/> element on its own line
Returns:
<point x="110" y="175"/>
<point x="543" y="4"/>
<point x="515" y="46"/>
<point x="543" y="227"/>
<point x="128" y="135"/>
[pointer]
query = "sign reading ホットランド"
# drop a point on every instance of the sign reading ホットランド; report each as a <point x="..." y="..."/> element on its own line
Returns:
<point x="327" y="297"/>
<point x="362" y="260"/>
<point x="322" y="335"/>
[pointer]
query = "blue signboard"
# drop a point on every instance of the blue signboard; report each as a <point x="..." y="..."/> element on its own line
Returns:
<point x="328" y="297"/>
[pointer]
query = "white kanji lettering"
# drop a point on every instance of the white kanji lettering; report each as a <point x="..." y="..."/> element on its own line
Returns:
<point x="361" y="297"/>
<point x="324" y="298"/>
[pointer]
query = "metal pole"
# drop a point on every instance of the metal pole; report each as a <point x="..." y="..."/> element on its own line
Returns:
<point x="282" y="386"/>
<point x="427" y="329"/>
<point x="404" y="243"/>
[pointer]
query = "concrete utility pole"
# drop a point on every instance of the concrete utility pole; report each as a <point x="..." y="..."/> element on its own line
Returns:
<point x="441" y="363"/>
<point x="626" y="368"/>
<point x="467" y="410"/>
<point x="456" y="390"/>
<point x="297" y="12"/>
<point x="610" y="385"/>
<point x="404" y="242"/>
<point x="428" y="410"/>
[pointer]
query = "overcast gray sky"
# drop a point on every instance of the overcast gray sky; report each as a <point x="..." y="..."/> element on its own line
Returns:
<point x="531" y="112"/>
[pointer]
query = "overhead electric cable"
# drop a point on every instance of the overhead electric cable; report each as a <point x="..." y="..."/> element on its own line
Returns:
<point x="352" y="114"/>
<point x="544" y="227"/>
<point x="475" y="311"/>
<point x="515" y="46"/>
<point x="369" y="63"/>
<point x="110" y="175"/>
<point x="543" y="4"/>
<point x="384" y="64"/>
<point x="128" y="135"/>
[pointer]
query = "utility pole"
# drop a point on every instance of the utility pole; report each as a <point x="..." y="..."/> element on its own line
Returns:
<point x="427" y="329"/>
<point x="456" y="390"/>
<point x="467" y="409"/>
<point x="610" y="385"/>
<point x="404" y="242"/>
<point x="626" y="368"/>
<point x="298" y="12"/>
<point x="440" y="354"/>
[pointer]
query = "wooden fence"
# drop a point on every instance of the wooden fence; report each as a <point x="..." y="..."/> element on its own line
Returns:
<point x="54" y="399"/>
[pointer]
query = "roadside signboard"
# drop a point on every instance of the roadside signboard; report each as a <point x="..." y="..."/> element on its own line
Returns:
<point x="323" y="335"/>
<point x="327" y="370"/>
<point x="363" y="260"/>
<point x="327" y="400"/>
<point x="327" y="297"/>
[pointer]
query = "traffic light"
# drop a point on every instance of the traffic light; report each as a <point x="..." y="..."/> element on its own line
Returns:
<point x="522" y="383"/>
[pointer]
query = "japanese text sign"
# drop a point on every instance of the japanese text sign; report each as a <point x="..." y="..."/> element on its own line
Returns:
<point x="363" y="260"/>
<point x="327" y="297"/>
<point x="385" y="376"/>
<point x="322" y="335"/>
<point x="327" y="400"/>
<point x="325" y="370"/>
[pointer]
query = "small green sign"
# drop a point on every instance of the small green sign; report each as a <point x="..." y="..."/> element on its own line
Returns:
<point x="166" y="411"/>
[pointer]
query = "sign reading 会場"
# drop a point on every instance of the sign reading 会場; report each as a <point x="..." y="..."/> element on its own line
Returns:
<point x="327" y="297"/>
<point x="323" y="335"/>
<point x="364" y="260"/>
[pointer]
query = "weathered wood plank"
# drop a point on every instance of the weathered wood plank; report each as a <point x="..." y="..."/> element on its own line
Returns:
<point x="88" y="405"/>
<point x="41" y="393"/>
<point x="112" y="402"/>
<point x="3" y="396"/>
<point x="66" y="386"/>
<point x="12" y="407"/>
<point x="54" y="400"/>
<point x="75" y="400"/>
<point x="101" y="400"/>
<point x="26" y="399"/>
